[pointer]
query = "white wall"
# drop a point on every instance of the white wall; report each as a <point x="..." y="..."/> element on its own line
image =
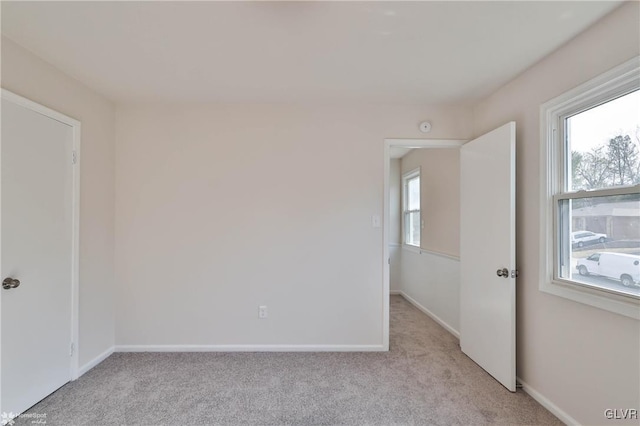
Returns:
<point x="395" y="225"/>
<point x="581" y="358"/>
<point x="439" y="197"/>
<point x="432" y="283"/>
<point x="220" y="209"/>
<point x="28" y="76"/>
<point x="395" y="199"/>
<point x="430" y="277"/>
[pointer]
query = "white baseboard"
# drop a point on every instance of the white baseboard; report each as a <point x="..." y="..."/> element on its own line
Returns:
<point x="97" y="360"/>
<point x="249" y="348"/>
<point x="546" y="403"/>
<point x="431" y="314"/>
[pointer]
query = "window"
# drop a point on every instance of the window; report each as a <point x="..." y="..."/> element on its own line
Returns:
<point x="411" y="207"/>
<point x="591" y="192"/>
<point x="595" y="257"/>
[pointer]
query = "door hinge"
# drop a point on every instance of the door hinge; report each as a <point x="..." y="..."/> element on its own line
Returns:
<point x="74" y="157"/>
<point x="72" y="349"/>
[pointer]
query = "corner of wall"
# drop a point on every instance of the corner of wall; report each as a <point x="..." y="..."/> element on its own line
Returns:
<point x="30" y="76"/>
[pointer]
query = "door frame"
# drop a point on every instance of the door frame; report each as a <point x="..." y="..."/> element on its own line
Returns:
<point x="75" y="217"/>
<point x="405" y="143"/>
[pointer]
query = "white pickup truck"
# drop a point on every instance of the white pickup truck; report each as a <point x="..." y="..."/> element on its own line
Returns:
<point x="618" y="266"/>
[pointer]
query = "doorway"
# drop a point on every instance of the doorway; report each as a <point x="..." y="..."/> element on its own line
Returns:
<point x="405" y="146"/>
<point x="485" y="241"/>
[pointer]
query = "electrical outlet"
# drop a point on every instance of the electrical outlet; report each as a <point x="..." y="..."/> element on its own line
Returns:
<point x="262" y="312"/>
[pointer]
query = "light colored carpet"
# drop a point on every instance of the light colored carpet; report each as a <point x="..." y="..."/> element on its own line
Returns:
<point x="424" y="379"/>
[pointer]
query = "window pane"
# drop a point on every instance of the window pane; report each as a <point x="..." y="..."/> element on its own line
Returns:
<point x="604" y="145"/>
<point x="600" y="242"/>
<point x="412" y="229"/>
<point x="413" y="193"/>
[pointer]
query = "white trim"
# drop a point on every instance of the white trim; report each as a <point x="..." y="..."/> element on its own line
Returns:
<point x="386" y="253"/>
<point x="592" y="297"/>
<point x="440" y="254"/>
<point x="97" y="360"/>
<point x="604" y="192"/>
<point x="388" y="143"/>
<point x="40" y="109"/>
<point x="411" y="248"/>
<point x="546" y="403"/>
<point x="75" y="242"/>
<point x="75" y="254"/>
<point x="250" y="348"/>
<point x="430" y="314"/>
<point x="606" y="86"/>
<point x="426" y="143"/>
<point x="413" y="173"/>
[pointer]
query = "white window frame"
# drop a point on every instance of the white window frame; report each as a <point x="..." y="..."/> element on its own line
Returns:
<point x="619" y="81"/>
<point x="406" y="177"/>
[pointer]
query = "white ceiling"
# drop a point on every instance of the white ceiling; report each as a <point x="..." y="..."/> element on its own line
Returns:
<point x="422" y="52"/>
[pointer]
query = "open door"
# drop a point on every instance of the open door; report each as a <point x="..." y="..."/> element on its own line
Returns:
<point x="487" y="253"/>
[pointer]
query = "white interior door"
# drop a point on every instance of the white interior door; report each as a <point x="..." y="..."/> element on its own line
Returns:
<point x="37" y="191"/>
<point x="487" y="253"/>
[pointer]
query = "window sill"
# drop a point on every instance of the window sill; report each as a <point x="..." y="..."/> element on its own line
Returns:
<point x="411" y="248"/>
<point x="627" y="306"/>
